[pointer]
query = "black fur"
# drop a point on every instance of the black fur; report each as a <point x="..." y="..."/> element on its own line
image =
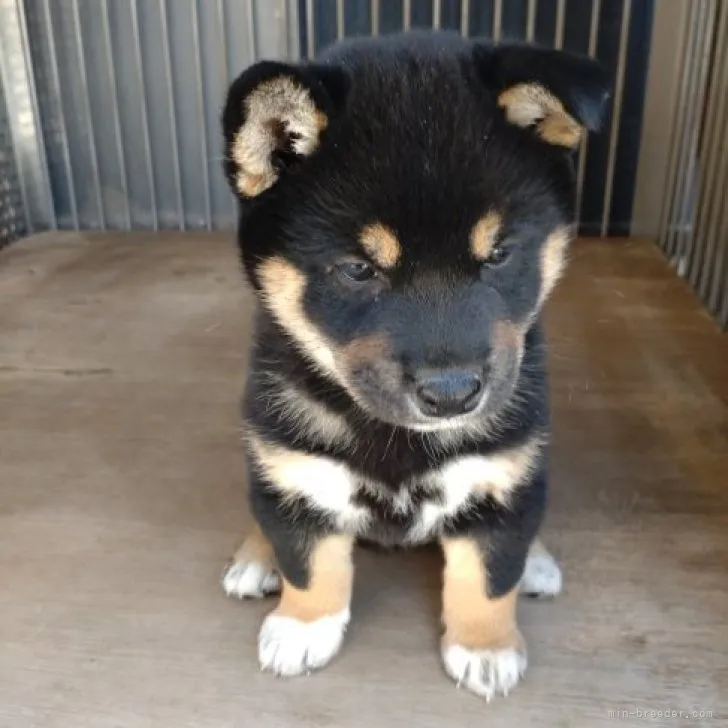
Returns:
<point x="415" y="141"/>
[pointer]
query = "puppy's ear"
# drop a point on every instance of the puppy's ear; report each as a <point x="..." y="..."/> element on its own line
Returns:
<point x="556" y="94"/>
<point x="274" y="117"/>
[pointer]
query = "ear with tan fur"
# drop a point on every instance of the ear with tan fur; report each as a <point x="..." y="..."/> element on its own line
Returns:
<point x="556" y="94"/>
<point x="274" y="117"/>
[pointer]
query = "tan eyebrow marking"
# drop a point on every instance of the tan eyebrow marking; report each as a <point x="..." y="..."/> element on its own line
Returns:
<point x="381" y="244"/>
<point x="484" y="235"/>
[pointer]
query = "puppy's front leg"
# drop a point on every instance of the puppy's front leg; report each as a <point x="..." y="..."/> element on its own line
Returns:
<point x="482" y="648"/>
<point x="307" y="628"/>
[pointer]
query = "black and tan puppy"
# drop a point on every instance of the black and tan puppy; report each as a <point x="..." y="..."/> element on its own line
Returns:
<point x="405" y="205"/>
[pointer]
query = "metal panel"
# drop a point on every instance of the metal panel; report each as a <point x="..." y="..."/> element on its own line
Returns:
<point x="21" y="104"/>
<point x="12" y="211"/>
<point x="694" y="221"/>
<point x="123" y="97"/>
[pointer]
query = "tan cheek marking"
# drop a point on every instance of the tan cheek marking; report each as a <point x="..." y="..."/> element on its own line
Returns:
<point x="365" y="349"/>
<point x="528" y="104"/>
<point x="276" y="109"/>
<point x="283" y="287"/>
<point x="331" y="573"/>
<point x="381" y="244"/>
<point x="471" y="618"/>
<point x="256" y="549"/>
<point x="553" y="260"/>
<point x="484" y="235"/>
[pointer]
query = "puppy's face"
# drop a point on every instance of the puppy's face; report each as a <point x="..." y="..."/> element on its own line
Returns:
<point x="404" y="220"/>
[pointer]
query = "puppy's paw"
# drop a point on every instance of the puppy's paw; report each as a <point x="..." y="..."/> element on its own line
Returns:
<point x="542" y="575"/>
<point x="250" y="580"/>
<point x="485" y="672"/>
<point x="288" y="646"/>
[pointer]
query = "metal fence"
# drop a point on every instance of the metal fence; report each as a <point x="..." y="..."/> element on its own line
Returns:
<point x="694" y="224"/>
<point x="121" y="98"/>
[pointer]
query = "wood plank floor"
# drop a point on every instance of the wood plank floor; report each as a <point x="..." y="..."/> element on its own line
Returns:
<point x="121" y="362"/>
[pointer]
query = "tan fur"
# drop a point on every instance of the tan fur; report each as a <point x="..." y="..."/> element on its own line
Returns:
<point x="331" y="573"/>
<point x="324" y="483"/>
<point x="553" y="260"/>
<point x="284" y="286"/>
<point x="484" y="235"/>
<point x="530" y="104"/>
<point x="472" y="619"/>
<point x="381" y="245"/>
<point x="277" y="108"/>
<point x="256" y="549"/>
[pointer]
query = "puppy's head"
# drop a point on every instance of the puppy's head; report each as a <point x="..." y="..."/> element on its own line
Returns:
<point x="406" y="205"/>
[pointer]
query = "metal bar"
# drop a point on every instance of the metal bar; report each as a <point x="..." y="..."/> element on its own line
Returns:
<point x="310" y="30"/>
<point x="87" y="113"/>
<point x="683" y="140"/>
<point x="252" y="33"/>
<point x="117" y="118"/>
<point x="465" y="17"/>
<point x="7" y="84"/>
<point x="684" y="53"/>
<point x="406" y="14"/>
<point x="144" y="113"/>
<point x="720" y="272"/>
<point x="340" y="20"/>
<point x="560" y="23"/>
<point x="56" y="82"/>
<point x="531" y="21"/>
<point x="375" y="10"/>
<point x="716" y="122"/>
<point x="497" y="19"/>
<point x="225" y="67"/>
<point x="194" y="19"/>
<point x="616" y="115"/>
<point x="291" y="25"/>
<point x="32" y="92"/>
<point x="436" y="14"/>
<point x="693" y="132"/>
<point x="592" y="51"/>
<point x="172" y="114"/>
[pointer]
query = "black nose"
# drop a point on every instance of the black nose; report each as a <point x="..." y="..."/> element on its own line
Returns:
<point x="448" y="392"/>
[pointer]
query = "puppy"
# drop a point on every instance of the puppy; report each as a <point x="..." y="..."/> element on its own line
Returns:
<point x="405" y="207"/>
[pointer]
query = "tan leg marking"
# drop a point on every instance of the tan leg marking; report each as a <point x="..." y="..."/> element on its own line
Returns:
<point x="331" y="576"/>
<point x="482" y="648"/>
<point x="472" y="619"/>
<point x="307" y="628"/>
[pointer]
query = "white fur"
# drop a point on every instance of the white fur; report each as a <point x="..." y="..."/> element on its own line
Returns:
<point x="468" y="476"/>
<point x="484" y="672"/>
<point x="323" y="482"/>
<point x="289" y="647"/>
<point x="250" y="580"/>
<point x="542" y="575"/>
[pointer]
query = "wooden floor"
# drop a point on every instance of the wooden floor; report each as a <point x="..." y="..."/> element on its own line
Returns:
<point x="121" y="497"/>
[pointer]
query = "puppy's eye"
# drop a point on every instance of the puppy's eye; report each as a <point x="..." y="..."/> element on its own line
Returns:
<point x="356" y="271"/>
<point x="498" y="255"/>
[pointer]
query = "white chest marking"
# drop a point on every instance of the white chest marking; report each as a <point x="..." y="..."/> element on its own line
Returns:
<point x="465" y="478"/>
<point x="323" y="482"/>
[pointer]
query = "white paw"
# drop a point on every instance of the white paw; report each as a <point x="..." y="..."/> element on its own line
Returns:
<point x="484" y="672"/>
<point x="250" y="580"/>
<point x="287" y="646"/>
<point x="542" y="575"/>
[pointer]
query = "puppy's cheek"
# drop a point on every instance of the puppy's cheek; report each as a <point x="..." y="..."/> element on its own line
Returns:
<point x="378" y="388"/>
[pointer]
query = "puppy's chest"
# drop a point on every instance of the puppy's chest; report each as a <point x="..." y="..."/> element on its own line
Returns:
<point x="415" y="509"/>
<point x="405" y="514"/>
